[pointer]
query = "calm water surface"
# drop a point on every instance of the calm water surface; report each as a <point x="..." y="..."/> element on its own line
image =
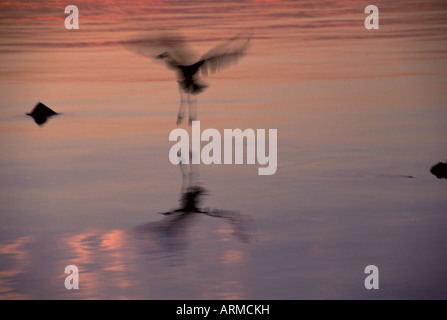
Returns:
<point x="360" y="117"/>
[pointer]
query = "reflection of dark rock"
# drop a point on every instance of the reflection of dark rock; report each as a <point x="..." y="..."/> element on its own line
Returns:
<point x="41" y="113"/>
<point x="439" y="170"/>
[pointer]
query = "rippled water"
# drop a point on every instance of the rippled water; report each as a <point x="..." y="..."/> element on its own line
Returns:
<point x="360" y="117"/>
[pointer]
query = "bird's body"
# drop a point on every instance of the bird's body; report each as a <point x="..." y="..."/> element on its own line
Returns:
<point x="189" y="75"/>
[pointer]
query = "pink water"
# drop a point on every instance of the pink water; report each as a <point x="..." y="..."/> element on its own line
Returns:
<point x="360" y="117"/>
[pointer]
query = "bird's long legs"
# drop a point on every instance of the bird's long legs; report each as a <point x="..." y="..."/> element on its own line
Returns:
<point x="192" y="108"/>
<point x="183" y="102"/>
<point x="187" y="99"/>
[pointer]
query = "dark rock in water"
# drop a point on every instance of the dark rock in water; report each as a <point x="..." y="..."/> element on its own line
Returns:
<point x="439" y="170"/>
<point x="41" y="113"/>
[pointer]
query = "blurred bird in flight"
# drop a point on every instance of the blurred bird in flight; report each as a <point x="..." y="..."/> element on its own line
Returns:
<point x="180" y="58"/>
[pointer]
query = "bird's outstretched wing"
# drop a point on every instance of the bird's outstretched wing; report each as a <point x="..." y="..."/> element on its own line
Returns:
<point x="225" y="55"/>
<point x="151" y="45"/>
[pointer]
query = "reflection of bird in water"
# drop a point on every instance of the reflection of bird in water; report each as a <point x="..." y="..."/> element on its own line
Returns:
<point x="190" y="201"/>
<point x="183" y="61"/>
<point x="170" y="232"/>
